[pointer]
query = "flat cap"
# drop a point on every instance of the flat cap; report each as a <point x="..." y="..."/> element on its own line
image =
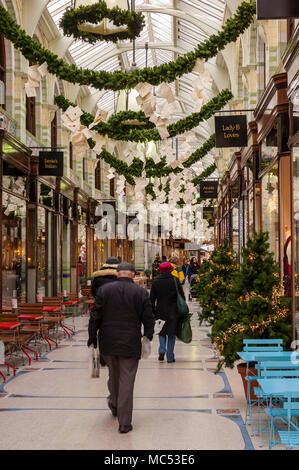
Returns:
<point x="126" y="267"/>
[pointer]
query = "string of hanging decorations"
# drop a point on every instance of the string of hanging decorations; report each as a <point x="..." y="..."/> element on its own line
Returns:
<point x="119" y="80"/>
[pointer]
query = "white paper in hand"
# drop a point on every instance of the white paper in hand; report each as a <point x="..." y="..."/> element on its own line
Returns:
<point x="93" y="362"/>
<point x="146" y="348"/>
<point x="158" y="326"/>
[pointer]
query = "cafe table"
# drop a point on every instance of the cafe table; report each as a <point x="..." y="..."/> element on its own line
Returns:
<point x="261" y="356"/>
<point x="51" y="309"/>
<point x="11" y="327"/>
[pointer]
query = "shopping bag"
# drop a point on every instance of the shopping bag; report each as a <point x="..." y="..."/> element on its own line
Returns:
<point x="158" y="326"/>
<point x="93" y="362"/>
<point x="184" y="330"/>
<point x="182" y="305"/>
<point x="145" y="348"/>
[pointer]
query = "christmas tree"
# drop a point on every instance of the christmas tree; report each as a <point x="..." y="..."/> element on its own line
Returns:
<point x="214" y="282"/>
<point x="255" y="307"/>
<point x="155" y="266"/>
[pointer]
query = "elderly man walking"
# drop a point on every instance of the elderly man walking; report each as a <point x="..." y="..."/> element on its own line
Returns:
<point x="121" y="307"/>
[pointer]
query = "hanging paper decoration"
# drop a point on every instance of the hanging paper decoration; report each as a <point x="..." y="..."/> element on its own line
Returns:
<point x="35" y="74"/>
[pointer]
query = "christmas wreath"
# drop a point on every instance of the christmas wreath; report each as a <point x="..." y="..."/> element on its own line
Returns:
<point x="78" y="22"/>
<point x="115" y="129"/>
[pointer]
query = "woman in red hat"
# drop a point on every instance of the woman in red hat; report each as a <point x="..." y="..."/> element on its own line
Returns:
<point x="164" y="300"/>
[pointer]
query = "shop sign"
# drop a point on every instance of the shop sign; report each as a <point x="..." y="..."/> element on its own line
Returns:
<point x="192" y="247"/>
<point x="51" y="163"/>
<point x="277" y="9"/>
<point x="208" y="214"/>
<point x="208" y="189"/>
<point x="10" y="170"/>
<point x="231" y="131"/>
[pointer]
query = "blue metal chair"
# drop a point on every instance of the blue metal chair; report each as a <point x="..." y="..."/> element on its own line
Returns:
<point x="274" y="370"/>
<point x="257" y="345"/>
<point x="290" y="438"/>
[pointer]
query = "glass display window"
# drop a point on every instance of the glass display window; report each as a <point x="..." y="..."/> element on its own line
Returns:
<point x="14" y="180"/>
<point x="235" y="229"/>
<point x="45" y="195"/>
<point x="296" y="231"/>
<point x="41" y="252"/>
<point x="82" y="253"/>
<point x="270" y="213"/>
<point x="13" y="249"/>
<point x="269" y="146"/>
<point x="250" y="213"/>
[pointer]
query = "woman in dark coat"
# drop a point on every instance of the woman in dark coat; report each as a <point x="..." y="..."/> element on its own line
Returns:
<point x="193" y="268"/>
<point x="164" y="300"/>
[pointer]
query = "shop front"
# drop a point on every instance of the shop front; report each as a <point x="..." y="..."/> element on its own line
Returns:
<point x="291" y="252"/>
<point x="255" y="193"/>
<point x="275" y="170"/>
<point x="15" y="169"/>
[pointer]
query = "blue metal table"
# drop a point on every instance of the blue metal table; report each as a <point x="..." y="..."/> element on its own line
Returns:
<point x="266" y="356"/>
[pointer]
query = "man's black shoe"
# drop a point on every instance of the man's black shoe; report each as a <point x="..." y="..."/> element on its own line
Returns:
<point x="169" y="362"/>
<point x="161" y="357"/>
<point x="125" y="429"/>
<point x="112" y="408"/>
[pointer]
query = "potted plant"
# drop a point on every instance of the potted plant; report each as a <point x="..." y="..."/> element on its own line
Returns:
<point x="255" y="307"/>
<point x="147" y="273"/>
<point x="214" y="282"/>
<point x="155" y="266"/>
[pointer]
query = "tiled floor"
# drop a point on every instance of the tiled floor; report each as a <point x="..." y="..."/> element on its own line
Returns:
<point x="184" y="405"/>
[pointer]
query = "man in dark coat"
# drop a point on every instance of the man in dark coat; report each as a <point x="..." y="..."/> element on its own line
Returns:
<point x="120" y="309"/>
<point x="164" y="300"/>
<point x="107" y="273"/>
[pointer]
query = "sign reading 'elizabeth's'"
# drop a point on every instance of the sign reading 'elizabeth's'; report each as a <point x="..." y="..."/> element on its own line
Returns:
<point x="51" y="163"/>
<point x="231" y="131"/>
<point x="208" y="189"/>
<point x="277" y="9"/>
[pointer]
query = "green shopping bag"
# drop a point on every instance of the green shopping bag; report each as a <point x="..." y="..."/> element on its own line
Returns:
<point x="182" y="305"/>
<point x="184" y="331"/>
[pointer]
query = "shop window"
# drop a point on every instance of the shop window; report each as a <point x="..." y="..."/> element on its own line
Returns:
<point x="235" y="227"/>
<point x="112" y="188"/>
<point x="84" y="169"/>
<point x="14" y="180"/>
<point x="46" y="195"/>
<point x="97" y="176"/>
<point x="41" y="253"/>
<point x="270" y="220"/>
<point x="30" y="115"/>
<point x="13" y="248"/>
<point x="269" y="147"/>
<point x="54" y="132"/>
<point x="296" y="229"/>
<point x="2" y="73"/>
<point x="71" y="155"/>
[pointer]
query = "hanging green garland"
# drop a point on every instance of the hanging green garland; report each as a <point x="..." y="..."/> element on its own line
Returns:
<point x="114" y="128"/>
<point x="205" y="174"/>
<point x="73" y="18"/>
<point x="159" y="170"/>
<point x="118" y="80"/>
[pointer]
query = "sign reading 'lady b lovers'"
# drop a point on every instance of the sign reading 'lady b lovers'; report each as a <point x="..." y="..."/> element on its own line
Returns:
<point x="231" y="131"/>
